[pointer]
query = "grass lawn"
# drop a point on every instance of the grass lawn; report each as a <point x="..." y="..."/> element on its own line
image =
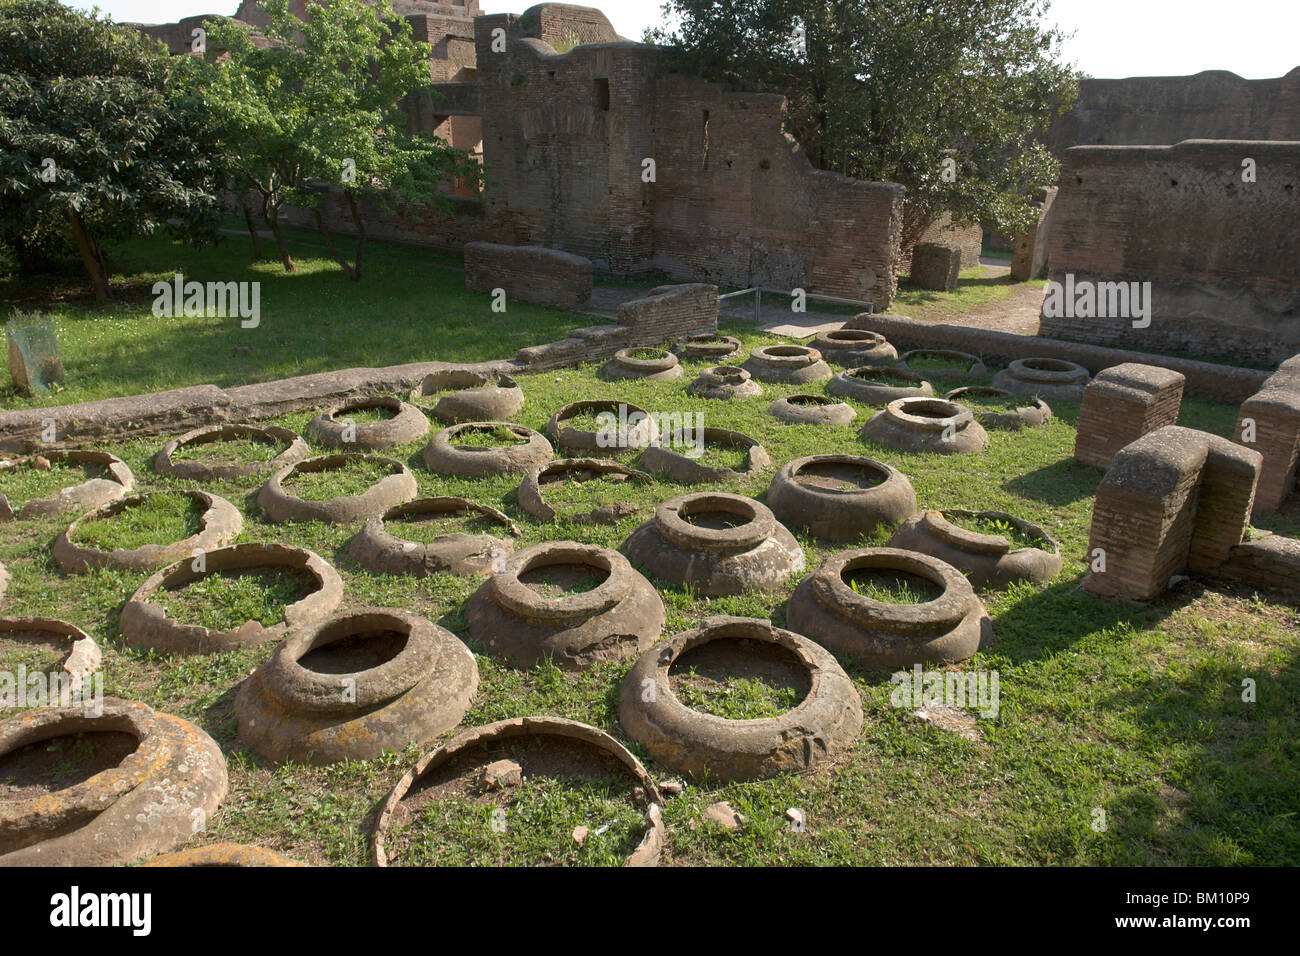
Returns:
<point x="1134" y="711"/>
<point x="412" y="306"/>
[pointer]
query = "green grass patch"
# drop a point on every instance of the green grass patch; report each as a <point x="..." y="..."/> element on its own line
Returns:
<point x="498" y="437"/>
<point x="161" y="518"/>
<point x="352" y="479"/>
<point x="26" y="482"/>
<point x="892" y="587"/>
<point x="237" y="451"/>
<point x="225" y="601"/>
<point x="985" y="525"/>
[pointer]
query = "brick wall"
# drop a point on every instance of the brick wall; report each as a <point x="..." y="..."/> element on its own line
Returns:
<point x="529" y="274"/>
<point x="1223" y="256"/>
<point x="1175" y="499"/>
<point x="969" y="239"/>
<point x="670" y="313"/>
<point x="1169" y="109"/>
<point x="1121" y="405"/>
<point x="1029" y="255"/>
<point x="1275" y="413"/>
<point x="734" y="201"/>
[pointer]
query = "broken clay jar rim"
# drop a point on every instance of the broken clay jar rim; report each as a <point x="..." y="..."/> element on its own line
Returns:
<point x="530" y="495"/>
<point x="42" y="625"/>
<point x="634" y="434"/>
<point x="944" y="612"/>
<point x="669" y="651"/>
<point x="722" y="375"/>
<point x="296" y="450"/>
<point x="522" y="433"/>
<point x="1049" y="371"/>
<point x="219" y="519"/>
<point x="881" y="375"/>
<point x="786" y="355"/>
<point x="118" y="470"/>
<point x="910" y="412"/>
<point x="1034" y="403"/>
<point x="514" y="596"/>
<point x="937" y="523"/>
<point x="80" y="802"/>
<point x="476" y="738"/>
<point x="662" y="362"/>
<point x="320" y="693"/>
<point x="710" y="345"/>
<point x="969" y="364"/>
<point x="851" y="339"/>
<point x="437" y="505"/>
<point x="396" y="482"/>
<point x="222" y="855"/>
<point x="249" y="556"/>
<point x="670" y="521"/>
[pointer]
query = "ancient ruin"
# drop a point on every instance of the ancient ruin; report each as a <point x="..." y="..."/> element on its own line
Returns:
<point x="532" y="489"/>
<point x="717" y="544"/>
<point x="709" y="348"/>
<point x="89" y="494"/>
<point x="787" y="364"/>
<point x="354" y="685"/>
<point x="621" y="428"/>
<point x="942" y="364"/>
<point x="1008" y="415"/>
<point x="219" y="523"/>
<point x="465" y="395"/>
<point x="377" y="548"/>
<point x="1047" y="378"/>
<point x="926" y="424"/>
<point x="840" y="497"/>
<point x="725" y="382"/>
<point x="878" y="386"/>
<point x="512" y="616"/>
<point x="1121" y="405"/>
<point x="828" y="608"/>
<point x="393" y="489"/>
<point x="145" y="623"/>
<point x="684" y="467"/>
<point x="144" y="801"/>
<point x="811" y="410"/>
<point x="657" y="365"/>
<point x="512" y="450"/>
<point x="334" y="429"/>
<point x="1269" y="422"/>
<point x="987" y="559"/>
<point x="167" y="462"/>
<point x="825" y="722"/>
<point x="854" y="348"/>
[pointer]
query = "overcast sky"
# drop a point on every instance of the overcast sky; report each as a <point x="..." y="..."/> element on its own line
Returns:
<point x="1112" y="38"/>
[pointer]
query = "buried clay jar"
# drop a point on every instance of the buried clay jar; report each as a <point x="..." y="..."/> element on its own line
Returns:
<point x="377" y="548"/>
<point x="167" y="462"/>
<point x="854" y="348"/>
<point x="333" y="428"/>
<point x="840" y="497"/>
<point x="470" y="396"/>
<point x="160" y="776"/>
<point x="828" y="607"/>
<point x="986" y="558"/>
<point x="514" y="619"/>
<point x="83" y="496"/>
<point x="878" y="386"/>
<point x="926" y="424"/>
<point x="787" y="364"/>
<point x="357" y="684"/>
<point x="824" y="722"/>
<point x="1047" y="378"/>
<point x="717" y="544"/>
<point x="725" y="382"/>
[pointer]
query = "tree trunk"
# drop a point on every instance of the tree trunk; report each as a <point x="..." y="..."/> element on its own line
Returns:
<point x="329" y="244"/>
<point x="361" y="234"/>
<point x="252" y="232"/>
<point x="91" y="257"/>
<point x="271" y="214"/>
<point x="915" y="222"/>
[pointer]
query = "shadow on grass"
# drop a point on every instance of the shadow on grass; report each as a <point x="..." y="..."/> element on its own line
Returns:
<point x="1060" y="483"/>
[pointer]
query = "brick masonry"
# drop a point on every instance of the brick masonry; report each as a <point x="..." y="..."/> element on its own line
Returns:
<point x="1122" y="404"/>
<point x="1174" y="500"/>
<point x="935" y="266"/>
<point x="1222" y="255"/>
<point x="529" y="274"/>
<point x="1274" y="412"/>
<point x="1030" y="250"/>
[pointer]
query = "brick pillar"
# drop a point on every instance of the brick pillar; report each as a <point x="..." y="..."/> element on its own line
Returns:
<point x="1122" y="404"/>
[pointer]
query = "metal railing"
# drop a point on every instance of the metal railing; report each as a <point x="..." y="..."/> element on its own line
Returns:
<point x="758" y="291"/>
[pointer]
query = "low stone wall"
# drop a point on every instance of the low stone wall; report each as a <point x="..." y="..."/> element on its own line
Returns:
<point x="1223" y="383"/>
<point x="529" y="274"/>
<point x="1174" y="500"/>
<point x="936" y="266"/>
<point x="1272" y="562"/>
<point x="1274" y="413"/>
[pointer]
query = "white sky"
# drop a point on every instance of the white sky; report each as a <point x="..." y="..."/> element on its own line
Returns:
<point x="1113" y="38"/>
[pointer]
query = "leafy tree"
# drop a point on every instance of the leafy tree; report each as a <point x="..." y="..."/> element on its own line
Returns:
<point x="318" y="111"/>
<point x="890" y="89"/>
<point x="99" y="137"/>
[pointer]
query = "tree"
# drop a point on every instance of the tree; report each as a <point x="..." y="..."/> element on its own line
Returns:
<point x="99" y="138"/>
<point x="318" y="112"/>
<point x="943" y="96"/>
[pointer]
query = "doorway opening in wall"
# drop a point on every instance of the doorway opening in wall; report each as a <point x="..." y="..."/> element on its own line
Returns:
<point x="601" y="89"/>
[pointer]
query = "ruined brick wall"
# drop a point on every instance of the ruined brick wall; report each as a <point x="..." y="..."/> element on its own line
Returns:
<point x="969" y="239"/>
<point x="563" y="25"/>
<point x="1223" y="255"/>
<point x="1122" y="404"/>
<point x="1175" y="499"/>
<point x="737" y="202"/>
<point x="734" y="201"/>
<point x="529" y="274"/>
<point x="1273" y="414"/>
<point x="670" y="313"/>
<point x="426" y="225"/>
<point x="1164" y="110"/>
